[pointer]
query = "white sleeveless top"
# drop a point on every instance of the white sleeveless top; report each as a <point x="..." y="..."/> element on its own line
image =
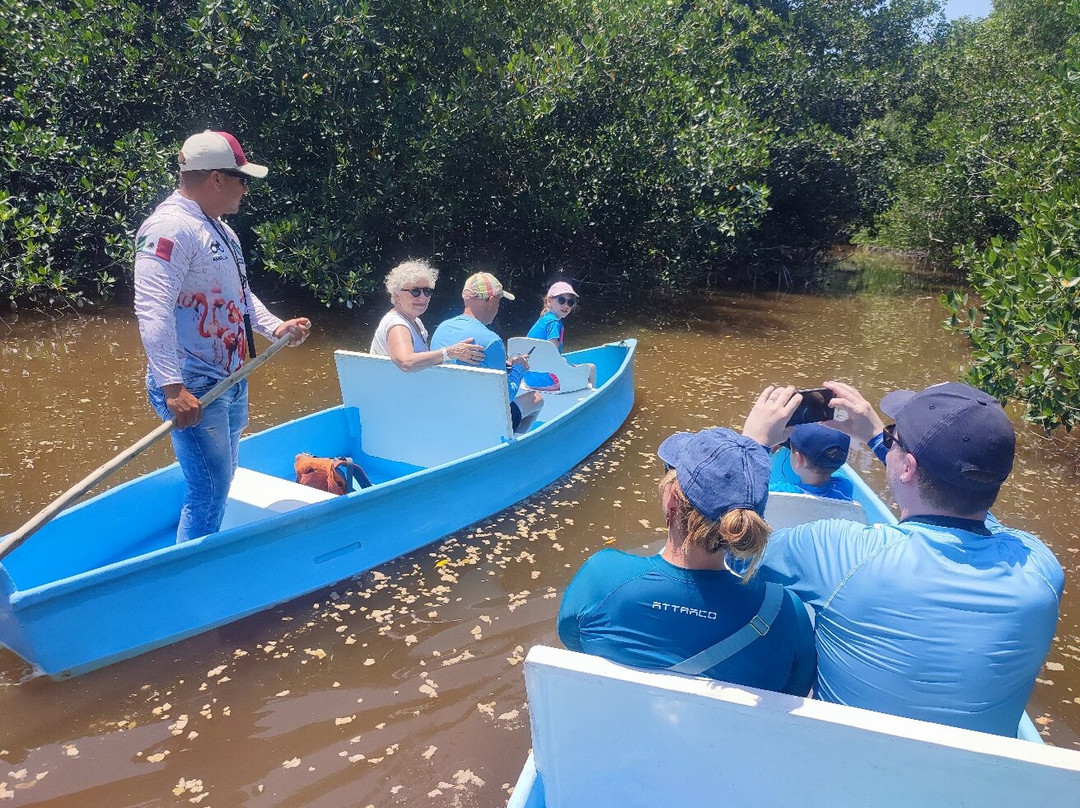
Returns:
<point x="392" y="318"/>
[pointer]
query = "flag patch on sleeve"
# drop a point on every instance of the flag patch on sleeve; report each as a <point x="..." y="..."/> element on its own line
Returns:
<point x="164" y="249"/>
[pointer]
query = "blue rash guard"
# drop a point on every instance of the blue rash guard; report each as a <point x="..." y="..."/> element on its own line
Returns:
<point x="548" y="327"/>
<point x="936" y="618"/>
<point x="462" y="327"/>
<point x="647" y="612"/>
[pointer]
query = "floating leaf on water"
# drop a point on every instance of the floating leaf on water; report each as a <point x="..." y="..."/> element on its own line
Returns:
<point x="291" y="764"/>
<point x="466" y="777"/>
<point x="345" y="719"/>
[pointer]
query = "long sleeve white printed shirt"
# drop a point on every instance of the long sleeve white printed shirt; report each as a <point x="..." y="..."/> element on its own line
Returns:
<point x="191" y="295"/>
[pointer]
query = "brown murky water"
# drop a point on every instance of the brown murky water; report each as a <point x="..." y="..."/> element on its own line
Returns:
<point x="404" y="686"/>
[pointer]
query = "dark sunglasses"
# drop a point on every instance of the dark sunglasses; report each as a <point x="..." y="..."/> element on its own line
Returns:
<point x="566" y="301"/>
<point x="245" y="180"/>
<point x="890" y="438"/>
<point x="416" y="291"/>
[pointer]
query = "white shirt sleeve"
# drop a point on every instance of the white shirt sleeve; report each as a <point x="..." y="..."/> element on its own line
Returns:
<point x="157" y="286"/>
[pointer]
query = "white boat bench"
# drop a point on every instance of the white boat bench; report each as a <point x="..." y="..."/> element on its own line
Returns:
<point x="786" y="509"/>
<point x="545" y="358"/>
<point x="609" y="735"/>
<point x="434" y="416"/>
<point x="254" y="496"/>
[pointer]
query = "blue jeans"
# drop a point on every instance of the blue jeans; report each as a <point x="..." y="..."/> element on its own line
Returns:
<point x="207" y="453"/>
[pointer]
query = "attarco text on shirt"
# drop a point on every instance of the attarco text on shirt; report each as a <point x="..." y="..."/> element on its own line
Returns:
<point x="672" y="607"/>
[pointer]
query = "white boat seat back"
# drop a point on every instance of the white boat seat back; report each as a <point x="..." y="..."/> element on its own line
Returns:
<point x="545" y="358"/>
<point x="787" y="509"/>
<point x="428" y="417"/>
<point x="609" y="735"/>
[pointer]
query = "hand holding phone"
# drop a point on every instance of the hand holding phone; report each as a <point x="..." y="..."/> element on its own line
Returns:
<point x="814" y="407"/>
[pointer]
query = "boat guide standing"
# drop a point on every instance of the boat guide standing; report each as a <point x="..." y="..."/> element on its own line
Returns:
<point x="197" y="316"/>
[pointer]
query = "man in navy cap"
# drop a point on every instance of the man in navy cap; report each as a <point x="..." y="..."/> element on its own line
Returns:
<point x="682" y="609"/>
<point x="948" y="615"/>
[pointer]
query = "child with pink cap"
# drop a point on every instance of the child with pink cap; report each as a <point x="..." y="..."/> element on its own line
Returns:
<point x="559" y="302"/>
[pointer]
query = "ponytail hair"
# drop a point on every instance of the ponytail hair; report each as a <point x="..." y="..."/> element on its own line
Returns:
<point x="741" y="531"/>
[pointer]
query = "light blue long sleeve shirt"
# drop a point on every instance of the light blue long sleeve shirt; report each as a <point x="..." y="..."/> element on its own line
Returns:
<point x="936" y="619"/>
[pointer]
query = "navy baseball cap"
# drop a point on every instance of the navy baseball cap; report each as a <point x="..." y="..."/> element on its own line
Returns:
<point x="823" y="446"/>
<point x="718" y="470"/>
<point x="959" y="434"/>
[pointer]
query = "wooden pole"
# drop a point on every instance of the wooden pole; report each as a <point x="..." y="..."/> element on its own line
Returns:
<point x="43" y="517"/>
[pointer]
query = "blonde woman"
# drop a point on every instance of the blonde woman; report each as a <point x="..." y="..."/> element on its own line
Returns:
<point x="684" y="610"/>
<point x="401" y="335"/>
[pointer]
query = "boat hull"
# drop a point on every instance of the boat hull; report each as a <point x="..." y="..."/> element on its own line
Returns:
<point x="117" y="610"/>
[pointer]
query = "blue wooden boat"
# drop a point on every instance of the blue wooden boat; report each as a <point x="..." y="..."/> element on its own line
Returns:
<point x="105" y="581"/>
<point x="605" y="734"/>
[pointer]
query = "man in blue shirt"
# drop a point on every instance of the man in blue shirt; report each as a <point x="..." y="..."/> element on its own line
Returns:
<point x="948" y="615"/>
<point x="805" y="465"/>
<point x="683" y="610"/>
<point x="482" y="294"/>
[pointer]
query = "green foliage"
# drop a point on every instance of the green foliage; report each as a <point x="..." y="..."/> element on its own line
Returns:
<point x="644" y="143"/>
<point x="1025" y="329"/>
<point x="983" y="157"/>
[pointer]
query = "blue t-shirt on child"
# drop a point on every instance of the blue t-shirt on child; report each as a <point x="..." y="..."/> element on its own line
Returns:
<point x="548" y="327"/>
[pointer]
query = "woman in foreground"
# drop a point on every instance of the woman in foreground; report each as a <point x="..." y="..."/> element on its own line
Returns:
<point x="684" y="610"/>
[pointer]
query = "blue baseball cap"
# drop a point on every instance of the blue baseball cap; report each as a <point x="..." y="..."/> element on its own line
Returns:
<point x="719" y="470"/>
<point x="958" y="434"/>
<point x="823" y="446"/>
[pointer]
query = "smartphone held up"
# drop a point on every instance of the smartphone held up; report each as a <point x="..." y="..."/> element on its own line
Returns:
<point x="815" y="406"/>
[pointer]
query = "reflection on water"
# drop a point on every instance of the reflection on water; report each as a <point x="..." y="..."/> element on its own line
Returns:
<point x="404" y="685"/>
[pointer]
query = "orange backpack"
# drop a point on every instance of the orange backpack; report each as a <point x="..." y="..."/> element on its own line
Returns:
<point x="334" y="475"/>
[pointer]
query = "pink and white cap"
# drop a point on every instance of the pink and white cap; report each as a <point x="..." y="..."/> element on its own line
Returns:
<point x="561" y="288"/>
<point x="217" y="151"/>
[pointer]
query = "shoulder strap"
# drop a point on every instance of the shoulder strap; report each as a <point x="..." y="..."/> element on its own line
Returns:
<point x="758" y="626"/>
<point x="350" y="472"/>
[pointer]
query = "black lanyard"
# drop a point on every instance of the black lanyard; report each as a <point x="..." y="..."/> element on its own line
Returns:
<point x="244" y="291"/>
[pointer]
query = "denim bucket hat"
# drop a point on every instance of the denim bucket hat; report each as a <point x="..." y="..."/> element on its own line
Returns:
<point x="718" y="470"/>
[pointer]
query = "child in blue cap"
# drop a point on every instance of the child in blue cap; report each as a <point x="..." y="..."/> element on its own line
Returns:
<point x="807" y="462"/>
